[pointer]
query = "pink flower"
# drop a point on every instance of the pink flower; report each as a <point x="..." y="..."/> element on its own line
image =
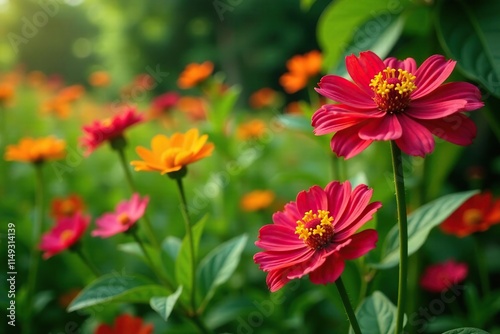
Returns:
<point x="395" y="100"/>
<point x="441" y="276"/>
<point x="316" y="234"/>
<point x="108" y="129"/>
<point x="65" y="233"/>
<point x="127" y="213"/>
<point x="165" y="101"/>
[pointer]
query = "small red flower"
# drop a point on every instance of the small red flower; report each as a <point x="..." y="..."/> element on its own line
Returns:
<point x="165" y="102"/>
<point x="315" y="234"/>
<point x="476" y="214"/>
<point x="395" y="100"/>
<point x="108" y="129"/>
<point x="125" y="324"/>
<point x="66" y="206"/>
<point x="127" y="213"/>
<point x="441" y="276"/>
<point x="66" y="232"/>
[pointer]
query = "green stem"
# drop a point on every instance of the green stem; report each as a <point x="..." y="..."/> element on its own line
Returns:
<point x="147" y="223"/>
<point x="482" y="268"/>
<point x="35" y="254"/>
<point x="397" y="165"/>
<point x="189" y="234"/>
<point x="150" y="261"/>
<point x="347" y="306"/>
<point x="85" y="259"/>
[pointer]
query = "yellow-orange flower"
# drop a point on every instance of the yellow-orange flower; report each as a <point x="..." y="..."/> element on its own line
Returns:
<point x="257" y="200"/>
<point x="194" y="107"/>
<point x="61" y="103"/>
<point x="194" y="74"/>
<point x="262" y="98"/>
<point x="253" y="129"/>
<point x="99" y="79"/>
<point x="300" y="69"/>
<point x="36" y="150"/>
<point x="6" y="93"/>
<point x="171" y="154"/>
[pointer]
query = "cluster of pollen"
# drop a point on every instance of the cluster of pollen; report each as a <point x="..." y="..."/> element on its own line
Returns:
<point x="66" y="235"/>
<point x="123" y="218"/>
<point x="315" y="229"/>
<point x="473" y="217"/>
<point x="392" y="89"/>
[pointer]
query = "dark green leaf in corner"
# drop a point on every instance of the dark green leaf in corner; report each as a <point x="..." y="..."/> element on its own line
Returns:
<point x="466" y="330"/>
<point x="376" y="315"/>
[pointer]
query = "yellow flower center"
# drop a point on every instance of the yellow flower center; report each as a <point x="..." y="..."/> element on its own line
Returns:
<point x="123" y="218"/>
<point x="392" y="89"/>
<point x="66" y="235"/>
<point x="473" y="217"/>
<point x="67" y="207"/>
<point x="106" y="122"/>
<point x="315" y="229"/>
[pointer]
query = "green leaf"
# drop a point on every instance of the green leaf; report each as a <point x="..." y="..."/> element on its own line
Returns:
<point x="343" y="19"/>
<point x="381" y="40"/>
<point x="466" y="330"/>
<point x="222" y="104"/>
<point x="133" y="248"/>
<point x="420" y="223"/>
<point x="470" y="34"/>
<point x="117" y="288"/>
<point x="183" y="269"/>
<point x="165" y="305"/>
<point x="376" y="315"/>
<point x="298" y="122"/>
<point x="218" y="266"/>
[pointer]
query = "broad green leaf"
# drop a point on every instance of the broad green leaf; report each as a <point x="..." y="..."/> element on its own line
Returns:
<point x="218" y="266"/>
<point x="134" y="249"/>
<point x="296" y="122"/>
<point x="222" y="104"/>
<point x="183" y="269"/>
<point x="420" y="223"/>
<point x="376" y="315"/>
<point x="384" y="29"/>
<point x="466" y="330"/>
<point x="469" y="34"/>
<point x="343" y="19"/>
<point x="305" y="5"/>
<point x="117" y="288"/>
<point x="165" y="305"/>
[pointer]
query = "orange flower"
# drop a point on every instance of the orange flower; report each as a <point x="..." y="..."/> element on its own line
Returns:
<point x="61" y="103"/>
<point x="262" y="98"/>
<point x="36" y="150"/>
<point x="66" y="206"/>
<point x="300" y="69"/>
<point x="6" y="93"/>
<point x="99" y="79"/>
<point x="294" y="108"/>
<point x="257" y="200"/>
<point x="125" y="324"/>
<point x="253" y="129"/>
<point x="193" y="107"/>
<point x="194" y="74"/>
<point x="36" y="79"/>
<point x="477" y="214"/>
<point x="172" y="154"/>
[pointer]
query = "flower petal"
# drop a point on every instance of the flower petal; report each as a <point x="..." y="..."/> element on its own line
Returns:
<point x="276" y="279"/>
<point x="385" y="128"/>
<point x="361" y="243"/>
<point x="314" y="199"/>
<point x="363" y="69"/>
<point x="278" y="238"/>
<point x="416" y="139"/>
<point x="305" y="267"/>
<point x="329" y="271"/>
<point x="288" y="217"/>
<point x="455" y="91"/>
<point x="408" y="64"/>
<point x="434" y="110"/>
<point x="335" y="117"/>
<point x="346" y="143"/>
<point x="431" y="74"/>
<point x="457" y="129"/>
<point x="344" y="91"/>
<point x="272" y="260"/>
<point x="338" y="197"/>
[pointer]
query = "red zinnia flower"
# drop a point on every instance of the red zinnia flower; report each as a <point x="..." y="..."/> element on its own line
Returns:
<point x="66" y="207"/>
<point x="476" y="214"/>
<point x="101" y="131"/>
<point x="316" y="233"/>
<point x="66" y="232"/>
<point x="126" y="215"/>
<point x="395" y="100"/>
<point x="125" y="324"/>
<point x="165" y="102"/>
<point x="441" y="276"/>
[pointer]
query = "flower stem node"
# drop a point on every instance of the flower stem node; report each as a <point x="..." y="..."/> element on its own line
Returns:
<point x="179" y="174"/>
<point x="118" y="143"/>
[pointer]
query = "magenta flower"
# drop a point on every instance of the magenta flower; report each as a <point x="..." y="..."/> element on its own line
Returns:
<point x="166" y="101"/>
<point x="395" y="100"/>
<point x="65" y="233"/>
<point x="441" y="276"/>
<point x="315" y="234"/>
<point x="108" y="129"/>
<point x="127" y="213"/>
